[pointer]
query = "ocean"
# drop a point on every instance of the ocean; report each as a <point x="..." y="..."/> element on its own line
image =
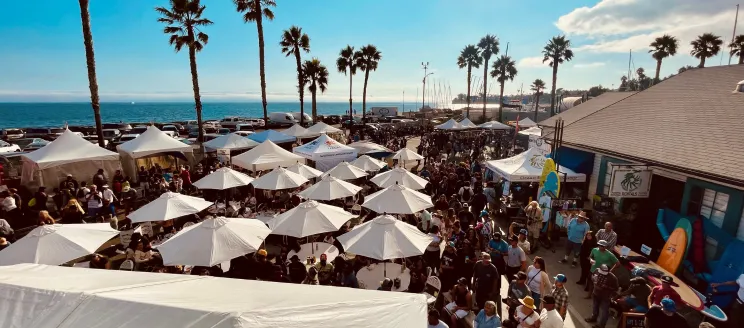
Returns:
<point x="21" y="115"/>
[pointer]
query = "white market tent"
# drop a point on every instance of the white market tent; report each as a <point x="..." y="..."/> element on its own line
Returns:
<point x="533" y="131"/>
<point x="528" y="166"/>
<point x="40" y="296"/>
<point x="526" y="123"/>
<point x="494" y="125"/>
<point x="68" y="154"/>
<point x="149" y="148"/>
<point x="468" y="124"/>
<point x="266" y="156"/>
<point x="296" y="131"/>
<point x="367" y="147"/>
<point x="231" y="141"/>
<point x="449" y="125"/>
<point x="326" y="152"/>
<point x="321" y="127"/>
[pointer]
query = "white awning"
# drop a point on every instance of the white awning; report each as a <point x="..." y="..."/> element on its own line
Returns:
<point x="528" y="166"/>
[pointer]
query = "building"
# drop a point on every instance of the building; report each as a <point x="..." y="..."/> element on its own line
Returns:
<point x="688" y="130"/>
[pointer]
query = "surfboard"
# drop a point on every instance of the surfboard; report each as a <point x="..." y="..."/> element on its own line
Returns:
<point x="685" y="224"/>
<point x="673" y="252"/>
<point x="714" y="311"/>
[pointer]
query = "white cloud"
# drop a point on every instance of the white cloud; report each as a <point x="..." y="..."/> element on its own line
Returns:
<point x="530" y="62"/>
<point x="589" y="65"/>
<point x="622" y="25"/>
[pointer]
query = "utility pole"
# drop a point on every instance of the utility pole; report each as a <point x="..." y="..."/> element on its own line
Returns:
<point x="733" y="36"/>
<point x="423" y="92"/>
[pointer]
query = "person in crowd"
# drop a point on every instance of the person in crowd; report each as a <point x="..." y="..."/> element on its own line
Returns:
<point x="297" y="270"/>
<point x="560" y="295"/>
<point x="491" y="199"/>
<point x="516" y="259"/>
<point x="499" y="249"/>
<point x="605" y="286"/>
<point x="432" y="251"/>
<point x="523" y="243"/>
<point x="117" y="181"/>
<point x="577" y="229"/>
<point x="487" y="281"/>
<point x="45" y="218"/>
<point x="312" y="277"/>
<point x="457" y="235"/>
<point x="6" y="231"/>
<point x="665" y="316"/>
<point x="10" y="209"/>
<point x="99" y="261"/>
<point x="598" y="256"/>
<point x="447" y="273"/>
<point x="73" y="212"/>
<point x="665" y="290"/>
<point x="465" y="217"/>
<point x="525" y="315"/>
<point x="488" y="317"/>
<point x="608" y="235"/>
<point x="587" y="245"/>
<point x="538" y="280"/>
<point x="550" y="317"/>
<point x="325" y="270"/>
<point x="433" y="321"/>
<point x="128" y="199"/>
<point x="4" y="243"/>
<point x="635" y="297"/>
<point x="40" y="200"/>
<point x="82" y="192"/>
<point x="99" y="179"/>
<point x="441" y="204"/>
<point x="736" y="316"/>
<point x="264" y="268"/>
<point x="109" y="200"/>
<point x="348" y="277"/>
<point x="462" y="301"/>
<point x="386" y="285"/>
<point x="142" y="255"/>
<point x="418" y="282"/>
<point x="518" y="290"/>
<point x="534" y="220"/>
<point x="69" y="183"/>
<point x="94" y="200"/>
<point x="478" y="202"/>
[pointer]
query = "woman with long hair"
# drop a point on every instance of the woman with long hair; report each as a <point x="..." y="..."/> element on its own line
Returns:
<point x="45" y="218"/>
<point x="587" y="245"/>
<point x="534" y="222"/>
<point x="73" y="212"/>
<point x="538" y="280"/>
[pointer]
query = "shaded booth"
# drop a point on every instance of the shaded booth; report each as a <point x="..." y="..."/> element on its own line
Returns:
<point x="326" y="152"/>
<point x="68" y="154"/>
<point x="273" y="136"/>
<point x="266" y="156"/>
<point x="150" y="148"/>
<point x="232" y="141"/>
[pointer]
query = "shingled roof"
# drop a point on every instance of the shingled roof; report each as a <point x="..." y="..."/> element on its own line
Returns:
<point x="692" y="122"/>
<point x="587" y="108"/>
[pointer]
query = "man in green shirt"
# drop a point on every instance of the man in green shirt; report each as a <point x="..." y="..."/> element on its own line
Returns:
<point x="600" y="255"/>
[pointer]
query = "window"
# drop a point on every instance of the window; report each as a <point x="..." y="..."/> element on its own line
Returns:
<point x="607" y="180"/>
<point x="713" y="206"/>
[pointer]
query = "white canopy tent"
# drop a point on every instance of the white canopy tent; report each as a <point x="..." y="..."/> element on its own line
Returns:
<point x="279" y="178"/>
<point x="223" y="178"/>
<point x="528" y="166"/>
<point x="494" y="125"/>
<point x="449" y="125"/>
<point x="57" y="244"/>
<point x="304" y="170"/>
<point x="526" y="123"/>
<point x="297" y="131"/>
<point x="533" y="131"/>
<point x="367" y="148"/>
<point x="266" y="156"/>
<point x="326" y="152"/>
<point x="231" y="141"/>
<point x="321" y="127"/>
<point x="153" y="144"/>
<point x="68" y="154"/>
<point x="169" y="205"/>
<point x="468" y="124"/>
<point x="39" y="296"/>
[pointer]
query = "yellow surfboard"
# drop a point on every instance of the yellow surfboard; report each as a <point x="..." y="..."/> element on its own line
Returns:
<point x="674" y="250"/>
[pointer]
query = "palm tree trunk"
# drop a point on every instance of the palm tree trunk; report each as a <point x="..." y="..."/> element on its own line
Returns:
<point x="485" y="87"/>
<point x="741" y="56"/>
<point x="262" y="68"/>
<point x="197" y="96"/>
<point x="501" y="103"/>
<point x="90" y="60"/>
<point x="537" y="102"/>
<point x="658" y="69"/>
<point x="301" y="84"/>
<point x="552" y="92"/>
<point x="315" y="110"/>
<point x="364" y="104"/>
<point x="351" y="78"/>
<point x="702" y="62"/>
<point x="467" y="109"/>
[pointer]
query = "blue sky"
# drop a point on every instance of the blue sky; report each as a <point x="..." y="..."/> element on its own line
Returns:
<point x="43" y="58"/>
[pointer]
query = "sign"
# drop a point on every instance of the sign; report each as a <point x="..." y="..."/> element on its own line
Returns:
<point x="633" y="320"/>
<point x="646" y="250"/>
<point x="630" y="182"/>
<point x="223" y="155"/>
<point x="539" y="143"/>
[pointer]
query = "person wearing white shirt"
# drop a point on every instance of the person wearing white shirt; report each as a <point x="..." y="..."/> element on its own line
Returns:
<point x="108" y="199"/>
<point x="736" y="315"/>
<point x="550" y="318"/>
<point x="433" y="320"/>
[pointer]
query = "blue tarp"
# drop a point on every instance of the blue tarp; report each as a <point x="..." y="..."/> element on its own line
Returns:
<point x="576" y="160"/>
<point x="274" y="136"/>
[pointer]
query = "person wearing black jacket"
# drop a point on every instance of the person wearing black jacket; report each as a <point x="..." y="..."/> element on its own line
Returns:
<point x="587" y="245"/>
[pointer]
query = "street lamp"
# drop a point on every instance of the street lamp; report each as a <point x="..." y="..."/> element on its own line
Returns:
<point x="423" y="92"/>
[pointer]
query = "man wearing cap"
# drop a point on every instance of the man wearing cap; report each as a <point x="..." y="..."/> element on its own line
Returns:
<point x="498" y="248"/>
<point x="487" y="282"/>
<point x="599" y="256"/>
<point x="447" y="266"/>
<point x="605" y="285"/>
<point x="523" y="243"/>
<point x="665" y="316"/>
<point x="577" y="228"/>
<point x="325" y="270"/>
<point x="560" y="295"/>
<point x="462" y="301"/>
<point x="433" y="320"/>
<point x="635" y="298"/>
<point x="663" y="291"/>
<point x="297" y="270"/>
<point x="549" y="317"/>
<point x="516" y="259"/>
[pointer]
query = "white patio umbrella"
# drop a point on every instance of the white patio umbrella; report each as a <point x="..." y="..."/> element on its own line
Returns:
<point x="169" y="205"/>
<point x="368" y="147"/>
<point x="368" y="164"/>
<point x="346" y="171"/>
<point x="406" y="154"/>
<point x="214" y="241"/>
<point x="56" y="244"/>
<point x="385" y="238"/>
<point x="330" y="188"/>
<point x="399" y="176"/>
<point x="304" y="170"/>
<point x="309" y="218"/>
<point x="398" y="199"/>
<point x="279" y="178"/>
<point x="223" y="178"/>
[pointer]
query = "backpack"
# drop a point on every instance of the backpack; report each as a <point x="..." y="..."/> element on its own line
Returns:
<point x="466" y="193"/>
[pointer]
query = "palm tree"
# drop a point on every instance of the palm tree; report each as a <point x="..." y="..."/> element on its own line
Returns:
<point x="537" y="86"/>
<point x="504" y="69"/>
<point x="706" y="46"/>
<point x="255" y="11"/>
<point x="90" y="60"/>
<point x="737" y="48"/>
<point x="346" y="63"/>
<point x="488" y="45"/>
<point x="293" y="42"/>
<point x="183" y="19"/>
<point x="663" y="47"/>
<point x="367" y="59"/>
<point x="557" y="51"/>
<point x="316" y="77"/>
<point x="469" y="57"/>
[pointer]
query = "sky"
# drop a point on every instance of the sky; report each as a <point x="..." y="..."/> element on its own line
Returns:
<point x="42" y="57"/>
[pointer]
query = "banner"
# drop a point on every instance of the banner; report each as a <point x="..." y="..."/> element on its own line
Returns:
<point x="539" y="143"/>
<point x="629" y="182"/>
<point x="223" y="155"/>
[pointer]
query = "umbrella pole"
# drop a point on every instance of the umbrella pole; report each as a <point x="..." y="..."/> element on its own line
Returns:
<point x="384" y="269"/>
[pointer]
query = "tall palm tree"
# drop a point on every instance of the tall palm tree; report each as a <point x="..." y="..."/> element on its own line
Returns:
<point x="90" y="60"/>
<point x="469" y="57"/>
<point x="488" y="45"/>
<point x="737" y="47"/>
<point x="183" y="20"/>
<point x="504" y="69"/>
<point x="663" y="47"/>
<point x="256" y="11"/>
<point x="538" y="86"/>
<point x="706" y="46"/>
<point x="557" y="51"/>
<point x="293" y="43"/>
<point x="367" y="60"/>
<point x="316" y="77"/>
<point x="346" y="63"/>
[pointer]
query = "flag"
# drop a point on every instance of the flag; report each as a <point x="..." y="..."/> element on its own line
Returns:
<point x="517" y="130"/>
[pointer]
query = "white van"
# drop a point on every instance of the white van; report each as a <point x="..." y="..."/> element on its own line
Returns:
<point x="308" y="119"/>
<point x="281" y="117"/>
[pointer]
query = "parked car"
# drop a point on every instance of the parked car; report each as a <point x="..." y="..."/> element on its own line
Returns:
<point x="122" y="127"/>
<point x="85" y="130"/>
<point x="110" y="134"/>
<point x="230" y="122"/>
<point x="282" y="117"/>
<point x="256" y="122"/>
<point x="8" y="134"/>
<point x="36" y="144"/>
<point x="244" y="133"/>
<point x="139" y="129"/>
<point x="6" y="147"/>
<point x="94" y="140"/>
<point x="171" y="128"/>
<point x="37" y="132"/>
<point x="333" y="119"/>
<point x="223" y="131"/>
<point x="244" y="127"/>
<point x="11" y="165"/>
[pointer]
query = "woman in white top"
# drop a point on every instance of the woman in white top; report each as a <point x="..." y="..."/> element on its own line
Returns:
<point x="538" y="280"/>
<point x="431" y="255"/>
<point x="525" y="315"/>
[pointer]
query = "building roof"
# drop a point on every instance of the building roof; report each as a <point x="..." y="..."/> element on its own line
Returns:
<point x="587" y="108"/>
<point x="691" y="122"/>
